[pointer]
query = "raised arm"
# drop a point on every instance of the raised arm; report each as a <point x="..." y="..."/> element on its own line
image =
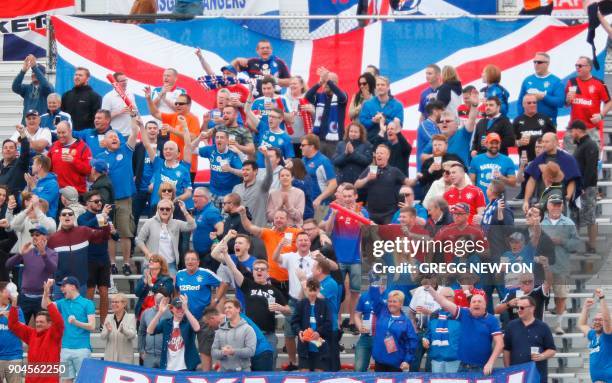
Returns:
<point x="205" y="65"/>
<point x="238" y="277"/>
<point x="252" y="119"/>
<point x="248" y="225"/>
<point x="150" y="104"/>
<point x="145" y="139"/>
<point x="443" y="302"/>
<point x="605" y="312"/>
<point x="195" y="325"/>
<point x="584" y="316"/>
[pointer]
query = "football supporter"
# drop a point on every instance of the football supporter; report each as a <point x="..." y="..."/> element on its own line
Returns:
<point x="70" y="159"/>
<point x="240" y="137"/>
<point x="459" y="138"/>
<point x="15" y="163"/>
<point x="406" y="199"/>
<point x="382" y="183"/>
<point x="174" y="123"/>
<point x="481" y="339"/>
<point x="235" y="341"/>
<point x="81" y="102"/>
<point x="460" y="229"/>
<point x="353" y="154"/>
<point x="119" y="111"/>
<point x="288" y="198"/>
<point x="460" y="191"/>
<point x="209" y="226"/>
<point x="38" y="137"/>
<point x="491" y="75"/>
<point x="165" y="96"/>
<point x="530" y="126"/>
<point x="179" y="350"/>
<point x="431" y="169"/>
<point x="537" y="7"/>
<point x="450" y="92"/>
<point x="35" y="93"/>
<point x="585" y="94"/>
<point x="94" y="137"/>
<point x="269" y="134"/>
<point x="302" y="111"/>
<point x="150" y="346"/>
<point x="433" y="76"/>
<point x="495" y="122"/>
<point x="254" y="190"/>
<point x="492" y="165"/>
<point x="442" y="339"/>
<point x="330" y="109"/>
<point x="546" y="87"/>
<point x="382" y="105"/>
<point x="321" y="171"/>
<point x="44" y="184"/>
<point x="366" y="84"/>
<point x="265" y="64"/>
<point x="11" y="350"/>
<point x="538" y="346"/>
<point x="390" y="134"/>
<point x="118" y="331"/>
<point x="427" y="129"/>
<point x="54" y="114"/>
<point x="527" y="287"/>
<point x="268" y="101"/>
<point x="599" y="336"/>
<point x="44" y="340"/>
<point x="587" y="156"/>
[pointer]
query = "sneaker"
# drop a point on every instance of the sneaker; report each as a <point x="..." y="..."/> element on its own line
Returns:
<point x="345" y="324"/>
<point x="558" y="330"/>
<point x="353" y="329"/>
<point x="126" y="270"/>
<point x="113" y="290"/>
<point x="114" y="269"/>
<point x="290" y="367"/>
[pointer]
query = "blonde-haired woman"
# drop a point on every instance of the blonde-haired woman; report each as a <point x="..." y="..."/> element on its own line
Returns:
<point x="449" y="93"/>
<point x="118" y="331"/>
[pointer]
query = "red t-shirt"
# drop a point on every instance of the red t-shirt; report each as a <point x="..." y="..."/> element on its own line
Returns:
<point x="453" y="233"/>
<point x="461" y="298"/>
<point x="589" y="96"/>
<point x="472" y="195"/>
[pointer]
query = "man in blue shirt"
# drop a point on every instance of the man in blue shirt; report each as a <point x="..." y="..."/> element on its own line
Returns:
<point x="54" y="114"/>
<point x="479" y="330"/>
<point x="34" y="94"/>
<point x="433" y="78"/>
<point x="332" y="293"/>
<point x="321" y="171"/>
<point x="269" y="134"/>
<point x="548" y="88"/>
<point x="428" y="128"/>
<point x="94" y="137"/>
<point x="266" y="64"/>
<point x="382" y="105"/>
<point x="11" y="351"/>
<point x="268" y="101"/>
<point x="79" y="320"/>
<point x="43" y="183"/>
<point x="459" y="137"/>
<point x="118" y="156"/>
<point x="599" y="336"/>
<point x="225" y="165"/>
<point x="196" y="283"/>
<point x="209" y="226"/>
<point x="492" y="165"/>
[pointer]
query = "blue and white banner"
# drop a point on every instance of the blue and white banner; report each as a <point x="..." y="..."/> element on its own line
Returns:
<point x="99" y="371"/>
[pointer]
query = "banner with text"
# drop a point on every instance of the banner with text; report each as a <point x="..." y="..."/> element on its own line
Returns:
<point x="23" y="24"/>
<point x="94" y="370"/>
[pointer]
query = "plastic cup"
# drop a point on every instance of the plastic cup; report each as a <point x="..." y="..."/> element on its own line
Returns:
<point x="535" y="350"/>
<point x="373" y="169"/>
<point x="438" y="160"/>
<point x="289" y="237"/>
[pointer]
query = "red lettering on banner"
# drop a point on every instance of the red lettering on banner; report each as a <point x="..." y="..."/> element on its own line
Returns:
<point x="568" y="5"/>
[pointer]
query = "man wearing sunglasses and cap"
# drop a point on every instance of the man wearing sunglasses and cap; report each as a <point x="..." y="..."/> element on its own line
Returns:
<point x="179" y="350"/>
<point x="71" y="243"/>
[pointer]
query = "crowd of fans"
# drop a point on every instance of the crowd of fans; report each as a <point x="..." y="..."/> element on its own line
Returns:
<point x="222" y="264"/>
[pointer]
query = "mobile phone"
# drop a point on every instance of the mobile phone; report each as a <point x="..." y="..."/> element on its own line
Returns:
<point x="57" y="120"/>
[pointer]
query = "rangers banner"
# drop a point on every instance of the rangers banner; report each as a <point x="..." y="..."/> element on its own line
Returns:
<point x="94" y="370"/>
<point x="23" y="24"/>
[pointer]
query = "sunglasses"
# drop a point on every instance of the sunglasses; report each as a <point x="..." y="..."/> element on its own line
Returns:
<point x="180" y="103"/>
<point x="539" y="62"/>
<point x="164" y="209"/>
<point x="95" y="201"/>
<point x="363" y="83"/>
<point x="67" y="214"/>
<point x="578" y="66"/>
<point x="167" y="191"/>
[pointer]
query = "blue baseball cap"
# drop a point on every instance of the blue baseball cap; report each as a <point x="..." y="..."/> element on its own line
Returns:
<point x="39" y="229"/>
<point x="100" y="165"/>
<point x="229" y="68"/>
<point x="71" y="281"/>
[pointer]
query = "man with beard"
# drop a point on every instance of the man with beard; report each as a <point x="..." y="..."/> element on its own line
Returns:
<point x="432" y="166"/>
<point x="81" y="102"/>
<point x="494" y="122"/>
<point x="492" y="165"/>
<point x="599" y="336"/>
<point x="13" y="168"/>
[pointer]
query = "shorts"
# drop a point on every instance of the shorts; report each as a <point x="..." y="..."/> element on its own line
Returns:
<point x="73" y="359"/>
<point x="588" y="210"/>
<point x="123" y="220"/>
<point x="206" y="337"/>
<point x="99" y="274"/>
<point x="287" y="329"/>
<point x="354" y="272"/>
<point x="559" y="286"/>
<point x="314" y="361"/>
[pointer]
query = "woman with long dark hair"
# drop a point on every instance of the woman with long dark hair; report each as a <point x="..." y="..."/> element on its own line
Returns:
<point x="367" y="85"/>
<point x="353" y="154"/>
<point x="302" y="180"/>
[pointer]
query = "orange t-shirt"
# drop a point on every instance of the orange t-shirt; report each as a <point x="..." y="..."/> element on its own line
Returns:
<point x="271" y="239"/>
<point x="193" y="124"/>
<point x="533" y="4"/>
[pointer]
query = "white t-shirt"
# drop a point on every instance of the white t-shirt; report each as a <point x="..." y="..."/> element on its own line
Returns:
<point x="113" y="103"/>
<point x="422" y="298"/>
<point x="176" y="349"/>
<point x="41" y="134"/>
<point x="170" y="96"/>
<point x="292" y="262"/>
<point x="165" y="245"/>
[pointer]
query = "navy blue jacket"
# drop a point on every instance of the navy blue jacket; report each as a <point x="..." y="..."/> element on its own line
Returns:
<point x="192" y="358"/>
<point x="301" y="321"/>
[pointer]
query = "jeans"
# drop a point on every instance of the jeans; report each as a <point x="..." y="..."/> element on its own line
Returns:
<point x="151" y="361"/>
<point x="448" y="367"/>
<point x="273" y="340"/>
<point x="363" y="352"/>
<point x="73" y="359"/>
<point x="140" y="206"/>
<point x="463" y="367"/>
<point x="263" y="362"/>
<point x="188" y="8"/>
